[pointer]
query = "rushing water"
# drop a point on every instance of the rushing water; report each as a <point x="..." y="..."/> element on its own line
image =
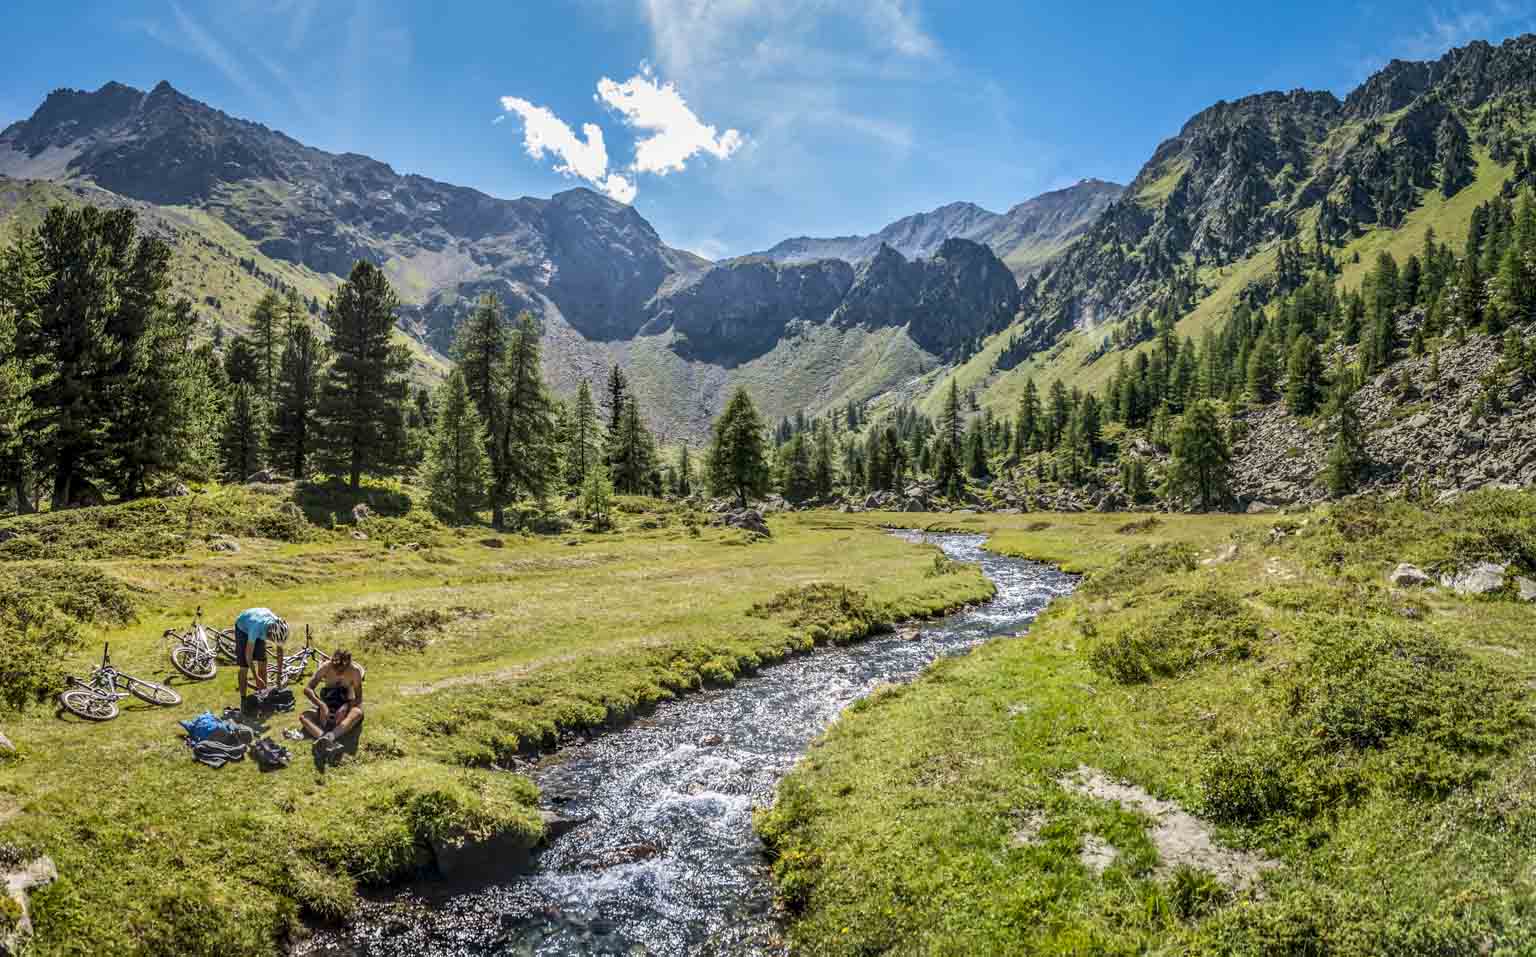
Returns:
<point x="668" y="863"/>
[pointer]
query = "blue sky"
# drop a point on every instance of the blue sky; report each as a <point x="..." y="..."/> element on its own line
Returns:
<point x="733" y="124"/>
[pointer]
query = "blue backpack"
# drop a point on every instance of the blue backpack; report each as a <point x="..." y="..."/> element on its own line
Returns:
<point x="205" y="726"/>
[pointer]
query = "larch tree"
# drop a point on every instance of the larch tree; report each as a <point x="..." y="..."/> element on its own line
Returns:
<point x="361" y="401"/>
<point x="1303" y="377"/>
<point x="632" y="453"/>
<point x="242" y="445"/>
<point x="583" y="441"/>
<point x="266" y="342"/>
<point x="481" y="351"/>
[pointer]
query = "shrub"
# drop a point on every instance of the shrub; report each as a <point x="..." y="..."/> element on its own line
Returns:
<point x="1139" y="566"/>
<point x="41" y="608"/>
<point x="320" y="891"/>
<point x="1205" y="626"/>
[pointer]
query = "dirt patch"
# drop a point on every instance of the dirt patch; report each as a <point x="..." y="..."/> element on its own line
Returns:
<point x="1097" y="854"/>
<point x="1027" y="833"/>
<point x="1180" y="837"/>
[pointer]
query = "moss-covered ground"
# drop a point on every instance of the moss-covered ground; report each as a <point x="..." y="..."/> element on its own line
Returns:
<point x="479" y="656"/>
<point x="1376" y="745"/>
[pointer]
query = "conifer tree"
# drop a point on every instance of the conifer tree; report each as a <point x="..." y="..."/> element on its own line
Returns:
<point x="456" y="468"/>
<point x="362" y="397"/>
<point x="22" y="285"/>
<point x="527" y="440"/>
<point x="1057" y="415"/>
<point x="242" y="446"/>
<point x="1347" y="460"/>
<point x="583" y="443"/>
<point x="242" y="364"/>
<point x="632" y="453"/>
<point x="1029" y="416"/>
<point x="481" y="350"/>
<point x="796" y="481"/>
<point x="266" y="342"/>
<point x="823" y="467"/>
<point x="618" y="395"/>
<point x="738" y="458"/>
<point x="685" y="472"/>
<point x="597" y="497"/>
<point x="1263" y="371"/>
<point x="1304" y="377"/>
<point x="1201" y="463"/>
<point x="295" y="418"/>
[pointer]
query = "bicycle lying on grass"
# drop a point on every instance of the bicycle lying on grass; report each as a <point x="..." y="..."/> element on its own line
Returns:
<point x="198" y="652"/>
<point x="96" y="698"/>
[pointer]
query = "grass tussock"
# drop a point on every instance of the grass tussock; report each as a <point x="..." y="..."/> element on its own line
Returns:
<point x="1141" y="526"/>
<point x="1140" y="565"/>
<point x="1207" y="626"/>
<point x="825" y="613"/>
<point x="411" y="629"/>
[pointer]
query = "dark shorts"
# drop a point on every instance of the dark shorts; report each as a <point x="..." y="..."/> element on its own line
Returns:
<point x="334" y="697"/>
<point x="258" y="653"/>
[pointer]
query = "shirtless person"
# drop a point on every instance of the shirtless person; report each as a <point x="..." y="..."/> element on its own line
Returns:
<point x="338" y="706"/>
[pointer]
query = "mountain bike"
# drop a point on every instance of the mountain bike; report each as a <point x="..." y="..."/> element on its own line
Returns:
<point x="296" y="664"/>
<point x="96" y="697"/>
<point x="195" y="652"/>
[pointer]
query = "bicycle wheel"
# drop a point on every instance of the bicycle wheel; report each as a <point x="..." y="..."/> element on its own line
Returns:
<point x="225" y="643"/>
<point x="151" y="692"/>
<point x="88" y="704"/>
<point x="193" y="662"/>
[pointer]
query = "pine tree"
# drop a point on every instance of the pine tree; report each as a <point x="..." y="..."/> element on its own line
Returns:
<point x="242" y="364"/>
<point x="583" y="443"/>
<point x="1347" y="459"/>
<point x="1029" y="416"/>
<point x="1304" y="378"/>
<point x="632" y="453"/>
<point x="361" y="399"/>
<point x="1089" y="427"/>
<point x="738" y="458"/>
<point x="527" y="439"/>
<point x="1263" y="371"/>
<point x="481" y="350"/>
<point x="266" y="342"/>
<point x="823" y="461"/>
<point x="1056" y="417"/>
<point x="685" y="472"/>
<point x="976" y="453"/>
<point x="242" y="447"/>
<point x="1201" y="460"/>
<point x="796" y="481"/>
<point x="456" y="468"/>
<point x="22" y="285"/>
<point x="295" y="419"/>
<point x="618" y="395"/>
<point x="153" y="433"/>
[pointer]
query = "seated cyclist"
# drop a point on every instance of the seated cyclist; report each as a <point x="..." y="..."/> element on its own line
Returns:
<point x="253" y="629"/>
<point x="338" y="706"/>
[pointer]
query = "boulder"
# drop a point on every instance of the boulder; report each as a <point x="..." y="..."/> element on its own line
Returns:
<point x="712" y="740"/>
<point x="175" y="490"/>
<point x="1409" y="576"/>
<point x="16" y="884"/>
<point x="224" y="545"/>
<point x="361" y="512"/>
<point x="1261" y="508"/>
<point x="493" y="543"/>
<point x="264" y="477"/>
<point x="6" y="747"/>
<point x="1481" y="579"/>
<point x="748" y="520"/>
<point x="1527" y="589"/>
<point x="360" y="536"/>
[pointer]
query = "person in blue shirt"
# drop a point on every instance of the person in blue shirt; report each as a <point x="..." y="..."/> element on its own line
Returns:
<point x="253" y="629"/>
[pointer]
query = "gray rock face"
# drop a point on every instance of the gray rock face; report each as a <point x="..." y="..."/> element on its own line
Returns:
<point x="1527" y="589"/>
<point x="1409" y="576"/>
<point x="1481" y="579"/>
<point x="748" y="520"/>
<point x="6" y="747"/>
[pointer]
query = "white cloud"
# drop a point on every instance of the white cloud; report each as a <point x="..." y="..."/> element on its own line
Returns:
<point x="676" y="132"/>
<point x="544" y="133"/>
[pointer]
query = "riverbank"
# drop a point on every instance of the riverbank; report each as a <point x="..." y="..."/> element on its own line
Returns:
<point x="479" y="657"/>
<point x="1238" y="739"/>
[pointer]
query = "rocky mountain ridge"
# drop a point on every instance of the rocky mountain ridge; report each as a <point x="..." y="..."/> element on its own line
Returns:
<point x="605" y="285"/>
<point x="1027" y="237"/>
